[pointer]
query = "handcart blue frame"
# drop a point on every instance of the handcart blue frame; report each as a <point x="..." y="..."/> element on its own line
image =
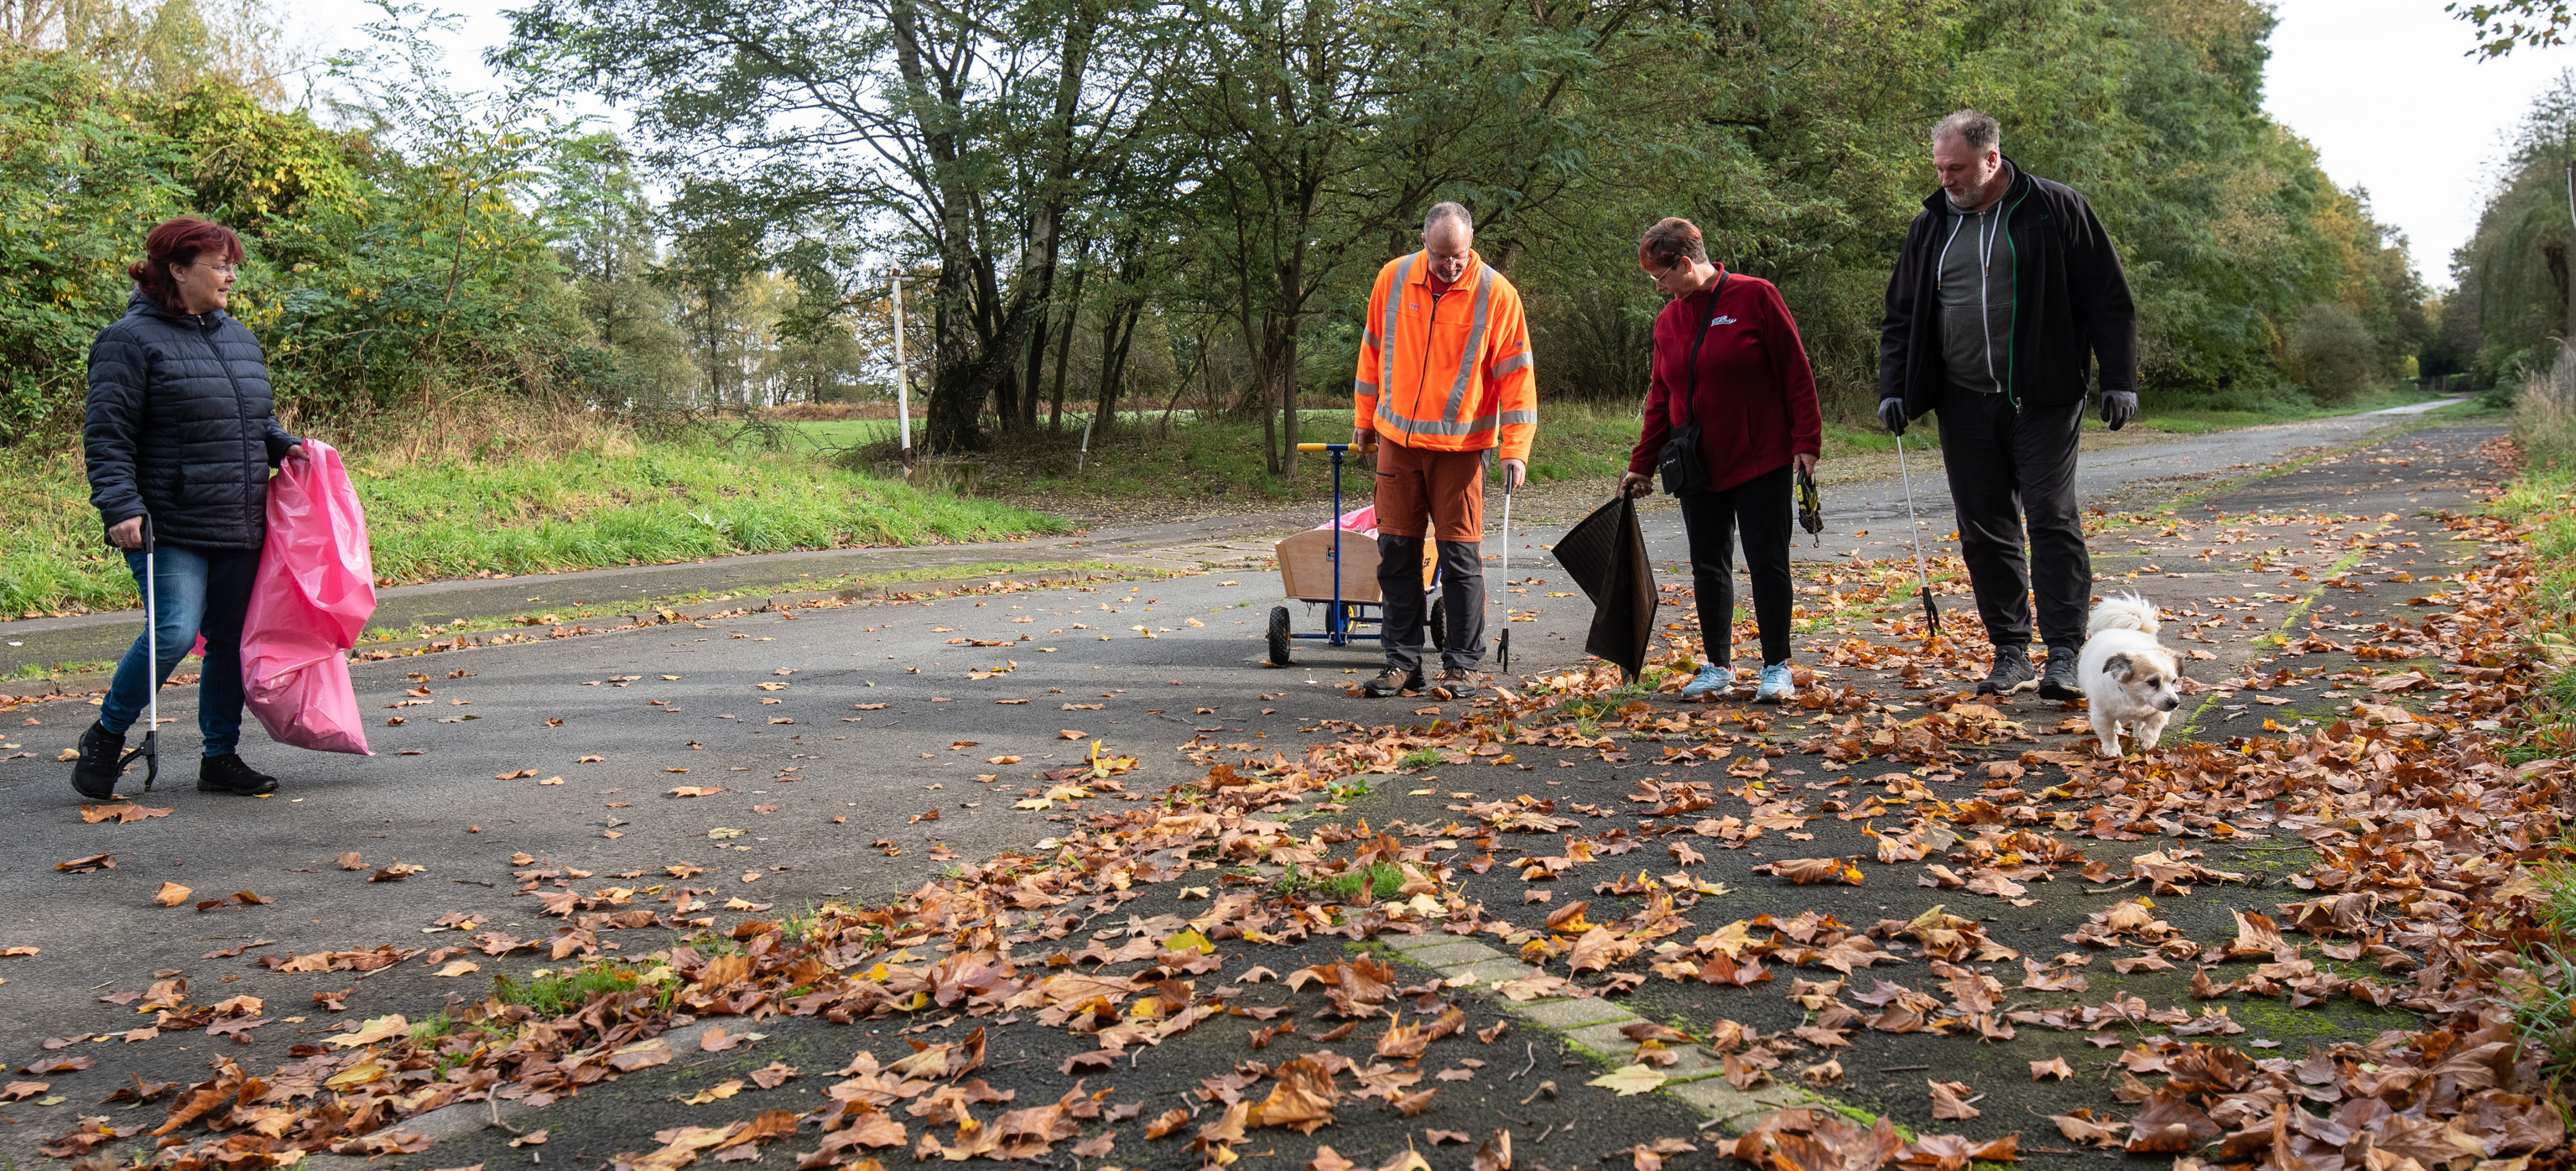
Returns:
<point x="1343" y="619"/>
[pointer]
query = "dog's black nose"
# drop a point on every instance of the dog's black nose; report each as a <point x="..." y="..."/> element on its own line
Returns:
<point x="2168" y="703"/>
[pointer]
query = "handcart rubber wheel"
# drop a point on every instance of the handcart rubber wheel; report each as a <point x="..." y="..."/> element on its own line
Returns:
<point x="1279" y="636"/>
<point x="1439" y="622"/>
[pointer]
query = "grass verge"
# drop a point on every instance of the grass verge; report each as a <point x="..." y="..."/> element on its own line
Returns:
<point x="2542" y="496"/>
<point x="614" y="503"/>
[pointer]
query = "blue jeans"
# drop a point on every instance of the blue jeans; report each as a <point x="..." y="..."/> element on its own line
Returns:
<point x="202" y="591"/>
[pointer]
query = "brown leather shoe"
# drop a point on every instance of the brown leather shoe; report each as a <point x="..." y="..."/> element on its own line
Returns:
<point x="1388" y="683"/>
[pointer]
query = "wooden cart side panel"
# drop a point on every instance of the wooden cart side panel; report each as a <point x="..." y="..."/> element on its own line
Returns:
<point x="1306" y="566"/>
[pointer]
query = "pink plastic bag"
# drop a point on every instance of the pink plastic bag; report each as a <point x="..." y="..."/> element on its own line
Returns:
<point x="315" y="590"/>
<point x="1360" y="520"/>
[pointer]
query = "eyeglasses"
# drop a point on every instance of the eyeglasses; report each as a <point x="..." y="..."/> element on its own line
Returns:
<point x="225" y="269"/>
<point x="1656" y="279"/>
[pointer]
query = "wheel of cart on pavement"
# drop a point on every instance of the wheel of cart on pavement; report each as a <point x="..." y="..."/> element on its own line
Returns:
<point x="1279" y="636"/>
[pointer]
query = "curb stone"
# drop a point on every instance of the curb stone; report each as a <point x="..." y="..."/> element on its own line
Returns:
<point x="1591" y="1026"/>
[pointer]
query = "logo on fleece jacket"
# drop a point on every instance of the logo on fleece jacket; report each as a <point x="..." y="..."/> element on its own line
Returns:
<point x="1721" y="320"/>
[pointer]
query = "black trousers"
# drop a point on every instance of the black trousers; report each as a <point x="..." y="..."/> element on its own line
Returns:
<point x="2010" y="467"/>
<point x="1462" y="592"/>
<point x="1759" y="509"/>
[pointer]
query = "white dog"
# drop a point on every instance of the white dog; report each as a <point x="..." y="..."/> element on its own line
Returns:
<point x="2128" y="677"/>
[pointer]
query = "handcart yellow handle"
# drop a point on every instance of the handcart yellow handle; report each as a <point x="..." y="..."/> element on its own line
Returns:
<point x="1332" y="447"/>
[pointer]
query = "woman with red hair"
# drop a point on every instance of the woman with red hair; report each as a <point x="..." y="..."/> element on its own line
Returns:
<point x="1728" y="361"/>
<point x="181" y="434"/>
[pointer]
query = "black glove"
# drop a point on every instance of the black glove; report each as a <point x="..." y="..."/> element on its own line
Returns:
<point x="2118" y="407"/>
<point x="1891" y="411"/>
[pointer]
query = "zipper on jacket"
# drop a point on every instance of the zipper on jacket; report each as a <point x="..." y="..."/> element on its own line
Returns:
<point x="2012" y="250"/>
<point x="1426" y="345"/>
<point x="206" y="331"/>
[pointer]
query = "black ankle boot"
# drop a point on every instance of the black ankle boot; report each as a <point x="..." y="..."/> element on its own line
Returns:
<point x="94" y="777"/>
<point x="230" y="774"/>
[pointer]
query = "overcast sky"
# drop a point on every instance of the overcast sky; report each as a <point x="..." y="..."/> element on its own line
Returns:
<point x="2380" y="86"/>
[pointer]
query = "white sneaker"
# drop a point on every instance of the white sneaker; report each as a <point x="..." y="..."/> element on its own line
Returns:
<point x="1712" y="677"/>
<point x="1776" y="687"/>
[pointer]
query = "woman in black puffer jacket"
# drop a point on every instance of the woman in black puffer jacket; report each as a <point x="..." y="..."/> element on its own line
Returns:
<point x="181" y="430"/>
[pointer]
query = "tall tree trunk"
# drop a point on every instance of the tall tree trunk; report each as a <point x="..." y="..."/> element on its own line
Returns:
<point x="1064" y="346"/>
<point x="951" y="418"/>
<point x="1039" y="258"/>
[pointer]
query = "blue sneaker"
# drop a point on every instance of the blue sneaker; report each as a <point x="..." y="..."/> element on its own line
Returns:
<point x="1776" y="687"/>
<point x="1712" y="677"/>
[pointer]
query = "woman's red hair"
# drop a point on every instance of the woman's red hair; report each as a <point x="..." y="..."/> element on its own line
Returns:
<point x="180" y="241"/>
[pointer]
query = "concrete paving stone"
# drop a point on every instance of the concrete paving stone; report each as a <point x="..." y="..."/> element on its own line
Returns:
<point x="1574" y="1014"/>
<point x="1427" y="939"/>
<point x="1690" y="1061"/>
<point x="1491" y="971"/>
<point x="1450" y="955"/>
<point x="1735" y="1109"/>
<point x="1604" y="1038"/>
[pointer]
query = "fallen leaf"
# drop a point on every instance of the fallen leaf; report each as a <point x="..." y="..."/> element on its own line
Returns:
<point x="1948" y="1103"/>
<point x="172" y="894"/>
<point x="371" y="1032"/>
<point x="1630" y="1080"/>
<point x="721" y="1090"/>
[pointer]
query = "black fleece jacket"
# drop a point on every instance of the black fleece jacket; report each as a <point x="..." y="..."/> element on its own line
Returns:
<point x="2071" y="303"/>
<point x="181" y="426"/>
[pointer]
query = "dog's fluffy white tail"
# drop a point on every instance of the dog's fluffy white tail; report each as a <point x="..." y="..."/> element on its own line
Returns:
<point x="2124" y="612"/>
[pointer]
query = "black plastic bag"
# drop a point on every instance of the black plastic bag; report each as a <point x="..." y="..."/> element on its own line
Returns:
<point x="1606" y="555"/>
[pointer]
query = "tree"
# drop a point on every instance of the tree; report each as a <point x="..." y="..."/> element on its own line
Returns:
<point x="829" y="136"/>
<point x="2535" y="24"/>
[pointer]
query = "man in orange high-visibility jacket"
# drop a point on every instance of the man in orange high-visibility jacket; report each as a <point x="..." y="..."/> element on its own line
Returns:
<point x="1444" y="380"/>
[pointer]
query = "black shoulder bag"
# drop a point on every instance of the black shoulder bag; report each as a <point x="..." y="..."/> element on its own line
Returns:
<point x="1680" y="463"/>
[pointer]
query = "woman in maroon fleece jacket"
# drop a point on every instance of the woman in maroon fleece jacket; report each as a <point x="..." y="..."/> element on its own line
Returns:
<point x="1754" y="398"/>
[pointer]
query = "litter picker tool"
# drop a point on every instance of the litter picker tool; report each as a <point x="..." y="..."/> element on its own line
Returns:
<point x="1503" y="641"/>
<point x="1931" y="612"/>
<point x="150" y="749"/>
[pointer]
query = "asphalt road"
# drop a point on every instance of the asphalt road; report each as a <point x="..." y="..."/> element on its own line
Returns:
<point x="780" y="712"/>
<point x="2110" y="471"/>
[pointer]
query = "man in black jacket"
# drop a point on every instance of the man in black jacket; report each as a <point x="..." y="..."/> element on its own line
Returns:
<point x="2006" y="294"/>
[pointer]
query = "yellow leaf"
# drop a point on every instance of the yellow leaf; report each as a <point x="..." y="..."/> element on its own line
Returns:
<point x="371" y="1032"/>
<point x="726" y="1089"/>
<point x="1630" y="1080"/>
<point x="1189" y="940"/>
<point x="172" y="894"/>
<point x="356" y="1075"/>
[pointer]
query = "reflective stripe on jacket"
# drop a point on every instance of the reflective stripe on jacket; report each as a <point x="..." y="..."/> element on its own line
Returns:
<point x="1451" y="373"/>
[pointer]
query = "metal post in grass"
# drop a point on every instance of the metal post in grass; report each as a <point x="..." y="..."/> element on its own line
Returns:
<point x="1085" y="453"/>
<point x="902" y="387"/>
